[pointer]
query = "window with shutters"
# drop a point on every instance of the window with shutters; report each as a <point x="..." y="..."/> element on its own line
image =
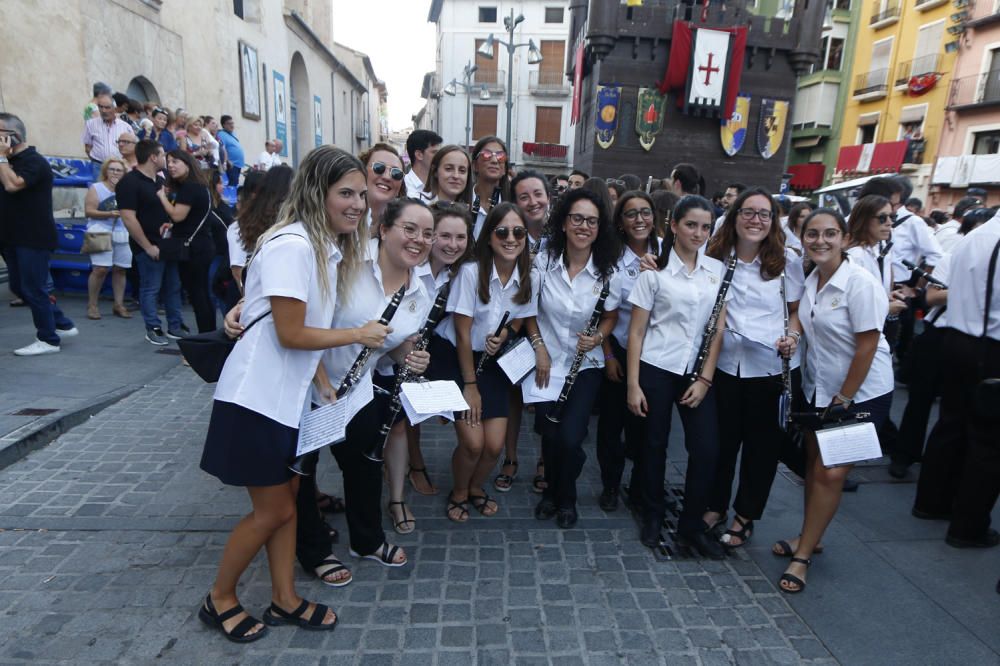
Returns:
<point x="554" y="14"/>
<point x="486" y="68"/>
<point x="550" y="70"/>
<point x="548" y="124"/>
<point x="926" y="54"/>
<point x="484" y="120"/>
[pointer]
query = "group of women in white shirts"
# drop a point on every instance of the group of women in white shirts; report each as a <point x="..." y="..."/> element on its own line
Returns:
<point x="517" y="267"/>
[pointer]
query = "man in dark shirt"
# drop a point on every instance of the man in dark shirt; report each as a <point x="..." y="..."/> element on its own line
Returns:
<point x="144" y="216"/>
<point x="28" y="233"/>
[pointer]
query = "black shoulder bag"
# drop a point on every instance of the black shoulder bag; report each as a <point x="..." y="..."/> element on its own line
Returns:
<point x="179" y="249"/>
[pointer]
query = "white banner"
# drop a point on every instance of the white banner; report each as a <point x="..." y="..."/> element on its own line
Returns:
<point x="708" y="72"/>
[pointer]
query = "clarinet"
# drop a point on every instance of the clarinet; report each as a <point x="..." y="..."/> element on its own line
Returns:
<point x="712" y="325"/>
<point x="921" y="273"/>
<point x="487" y="356"/>
<point x="356" y="371"/>
<point x="555" y="414"/>
<point x="476" y="204"/>
<point x="785" y="401"/>
<point x="434" y="317"/>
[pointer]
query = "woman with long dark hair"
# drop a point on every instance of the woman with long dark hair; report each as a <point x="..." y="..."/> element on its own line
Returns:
<point x="256" y="215"/>
<point x="793" y="223"/>
<point x="491" y="183"/>
<point x="449" y="178"/>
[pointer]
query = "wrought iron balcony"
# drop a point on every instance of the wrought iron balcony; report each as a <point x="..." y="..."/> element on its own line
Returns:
<point x="545" y="153"/>
<point x="495" y="79"/>
<point x="872" y="85"/>
<point x="923" y="65"/>
<point x="978" y="91"/>
<point x="544" y="82"/>
<point x="887" y="16"/>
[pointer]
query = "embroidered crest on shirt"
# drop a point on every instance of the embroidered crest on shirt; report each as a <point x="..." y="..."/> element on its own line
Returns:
<point x="835" y="302"/>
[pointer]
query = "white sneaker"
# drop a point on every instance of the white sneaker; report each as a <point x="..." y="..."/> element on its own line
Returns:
<point x="67" y="333"/>
<point x="37" y="348"/>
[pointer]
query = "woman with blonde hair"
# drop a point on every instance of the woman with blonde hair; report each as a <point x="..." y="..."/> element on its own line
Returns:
<point x="101" y="208"/>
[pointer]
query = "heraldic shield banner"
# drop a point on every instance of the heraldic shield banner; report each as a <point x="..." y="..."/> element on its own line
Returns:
<point x="649" y="110"/>
<point x="606" y="124"/>
<point x="734" y="131"/>
<point x="771" y="131"/>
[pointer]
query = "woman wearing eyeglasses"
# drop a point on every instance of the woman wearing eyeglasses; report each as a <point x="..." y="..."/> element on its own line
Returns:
<point x="847" y="364"/>
<point x="748" y="382"/>
<point x="497" y="282"/>
<point x="671" y="306"/>
<point x="101" y="208"/>
<point x="492" y="185"/>
<point x="634" y="221"/>
<point x="385" y="180"/>
<point x="449" y="178"/>
<point x="870" y="230"/>
<point x="574" y="273"/>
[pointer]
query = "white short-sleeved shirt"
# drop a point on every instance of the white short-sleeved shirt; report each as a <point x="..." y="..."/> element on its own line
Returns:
<point x="414" y="186"/>
<point x="913" y="241"/>
<point x="432" y="285"/>
<point x="365" y="301"/>
<point x="967" y="288"/>
<point x="938" y="315"/>
<point x="628" y="271"/>
<point x="947" y="236"/>
<point x="477" y="225"/>
<point x="755" y="318"/>
<point x="464" y="300"/>
<point x="565" y="307"/>
<point x="260" y="374"/>
<point x="866" y="256"/>
<point x="679" y="304"/>
<point x="792" y="241"/>
<point x="852" y="301"/>
<point x="237" y="255"/>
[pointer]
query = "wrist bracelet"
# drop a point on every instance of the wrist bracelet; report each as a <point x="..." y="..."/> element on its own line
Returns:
<point x="704" y="381"/>
<point x="609" y="357"/>
<point x="844" y="399"/>
<point x="795" y="334"/>
<point x="537" y="342"/>
<point x="472" y="383"/>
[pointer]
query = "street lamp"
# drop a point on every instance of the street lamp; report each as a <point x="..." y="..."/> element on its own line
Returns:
<point x="466" y="85"/>
<point x="510" y="23"/>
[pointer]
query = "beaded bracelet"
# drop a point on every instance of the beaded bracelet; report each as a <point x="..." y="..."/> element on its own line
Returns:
<point x="704" y="381"/>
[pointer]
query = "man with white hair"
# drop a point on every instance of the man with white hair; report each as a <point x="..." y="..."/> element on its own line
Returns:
<point x="271" y="155"/>
<point x="100" y="135"/>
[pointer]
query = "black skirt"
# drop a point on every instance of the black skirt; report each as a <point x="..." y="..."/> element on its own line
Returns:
<point x="493" y="383"/>
<point x="244" y="448"/>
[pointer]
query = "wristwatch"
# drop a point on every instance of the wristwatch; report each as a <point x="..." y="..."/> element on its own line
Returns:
<point x="4" y="160"/>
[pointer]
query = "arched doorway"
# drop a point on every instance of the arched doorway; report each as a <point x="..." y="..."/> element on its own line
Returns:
<point x="300" y="100"/>
<point x="142" y="90"/>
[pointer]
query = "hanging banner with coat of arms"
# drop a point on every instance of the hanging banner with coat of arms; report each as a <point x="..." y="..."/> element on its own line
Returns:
<point x="771" y="131"/>
<point x="649" y="110"/>
<point x="606" y="125"/>
<point x="734" y="130"/>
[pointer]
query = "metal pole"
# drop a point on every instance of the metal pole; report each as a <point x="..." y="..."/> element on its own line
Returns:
<point x="510" y="78"/>
<point x="468" y="114"/>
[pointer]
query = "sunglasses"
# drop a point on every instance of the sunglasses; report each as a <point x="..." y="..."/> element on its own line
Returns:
<point x="504" y="232"/>
<point x="378" y="168"/>
<point x="614" y="181"/>
<point x="490" y="154"/>
<point x="885" y="217"/>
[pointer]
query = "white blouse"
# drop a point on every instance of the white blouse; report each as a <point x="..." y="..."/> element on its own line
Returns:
<point x="967" y="287"/>
<point x="866" y="256"/>
<point x="679" y="304"/>
<point x="237" y="255"/>
<point x="464" y="300"/>
<point x="755" y="318"/>
<point x="565" y="307"/>
<point x="260" y="374"/>
<point x="628" y="272"/>
<point x="851" y="302"/>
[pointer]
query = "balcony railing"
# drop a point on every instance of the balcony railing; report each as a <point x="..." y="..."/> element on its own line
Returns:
<point x="495" y="79"/>
<point x="982" y="12"/>
<point x="975" y="91"/>
<point x="546" y="153"/>
<point x="922" y="65"/>
<point x="885" y="16"/>
<point x="873" y="84"/>
<point x="548" y="82"/>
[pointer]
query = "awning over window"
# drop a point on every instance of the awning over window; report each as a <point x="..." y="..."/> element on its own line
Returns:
<point x="808" y="176"/>
<point x="886" y="157"/>
<point x="912" y="114"/>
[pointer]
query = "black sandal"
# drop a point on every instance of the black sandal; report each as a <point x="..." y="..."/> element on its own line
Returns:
<point x="276" y="615"/>
<point x="538" y="484"/>
<point x="427" y="478"/>
<point x="331" y="565"/>
<point x="793" y="579"/>
<point x="463" y="506"/>
<point x="239" y="633"/>
<point x="743" y="534"/>
<point x="481" y="502"/>
<point x="786" y="549"/>
<point x="504" y="482"/>
<point x="330" y="503"/>
<point x="384" y="555"/>
<point x="397" y="524"/>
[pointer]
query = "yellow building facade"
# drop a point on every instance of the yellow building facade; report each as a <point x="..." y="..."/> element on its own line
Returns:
<point x="899" y="82"/>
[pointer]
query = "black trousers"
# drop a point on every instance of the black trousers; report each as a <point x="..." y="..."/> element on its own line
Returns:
<point x="747" y="417"/>
<point x="615" y="417"/>
<point x="194" y="280"/>
<point x="701" y="439"/>
<point x="362" y="495"/>
<point x="562" y="443"/>
<point x="926" y="372"/>
<point x="960" y="472"/>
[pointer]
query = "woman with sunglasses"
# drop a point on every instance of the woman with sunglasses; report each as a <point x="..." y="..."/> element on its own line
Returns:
<point x="492" y="185"/>
<point x="101" y="208"/>
<point x="453" y="228"/>
<point x="847" y="365"/>
<point x="870" y="230"/>
<point x="497" y="282"/>
<point x="634" y="222"/>
<point x="449" y="178"/>
<point x="671" y="306"/>
<point x="385" y="180"/>
<point x="575" y="271"/>
<point x="748" y="382"/>
<point x="405" y="236"/>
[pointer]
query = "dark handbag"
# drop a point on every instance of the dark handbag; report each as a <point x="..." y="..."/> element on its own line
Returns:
<point x="206" y="353"/>
<point x="179" y="249"/>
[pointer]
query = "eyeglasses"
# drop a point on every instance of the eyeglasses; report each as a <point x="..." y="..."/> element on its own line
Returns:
<point x="749" y="213"/>
<point x="504" y="232"/>
<point x="828" y="234"/>
<point x="614" y="181"/>
<point x="634" y="213"/>
<point x="414" y="233"/>
<point x="490" y="154"/>
<point x="578" y="220"/>
<point x="885" y="217"/>
<point x="378" y="168"/>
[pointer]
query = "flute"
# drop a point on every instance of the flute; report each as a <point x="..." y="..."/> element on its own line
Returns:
<point x="785" y="401"/>
<point x="374" y="451"/>
<point x="712" y="325"/>
<point x="356" y="371"/>
<point x="921" y="273"/>
<point x="555" y="414"/>
<point x="486" y="355"/>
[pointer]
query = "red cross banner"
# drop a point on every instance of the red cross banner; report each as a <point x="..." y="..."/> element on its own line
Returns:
<point x="708" y="68"/>
<point x="705" y="67"/>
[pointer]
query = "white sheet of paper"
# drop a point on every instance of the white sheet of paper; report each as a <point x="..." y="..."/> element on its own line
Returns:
<point x="328" y="424"/>
<point x="424" y="400"/>
<point x="518" y="361"/>
<point x="848" y="444"/>
<point x="532" y="393"/>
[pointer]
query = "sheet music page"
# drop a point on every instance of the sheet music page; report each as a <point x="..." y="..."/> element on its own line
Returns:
<point x="848" y="444"/>
<point x="416" y="418"/>
<point x="532" y="393"/>
<point x="518" y="361"/>
<point x="422" y="400"/>
<point x="328" y="424"/>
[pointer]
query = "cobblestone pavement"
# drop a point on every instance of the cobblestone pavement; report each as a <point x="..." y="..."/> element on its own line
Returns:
<point x="111" y="536"/>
